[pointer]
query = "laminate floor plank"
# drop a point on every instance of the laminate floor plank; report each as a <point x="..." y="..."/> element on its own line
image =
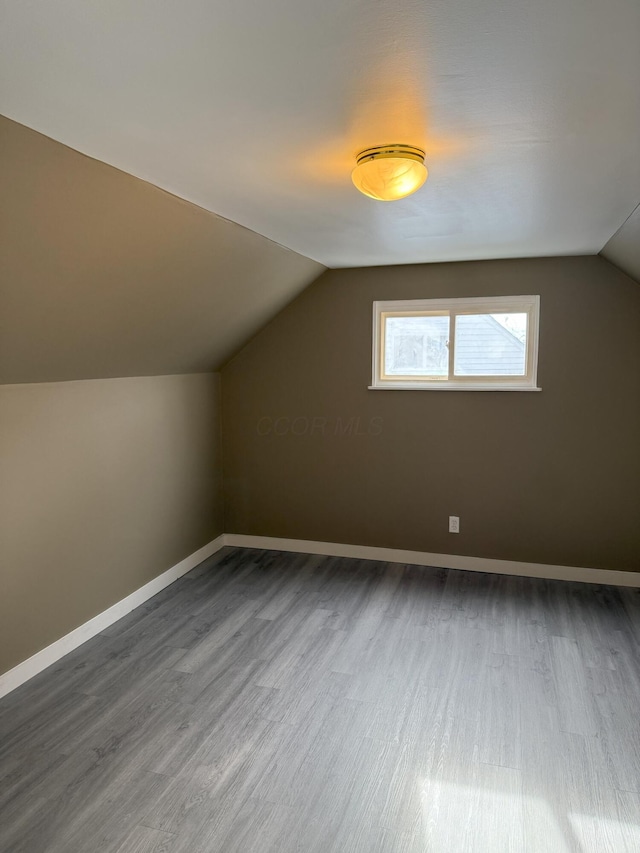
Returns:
<point x="131" y="670"/>
<point x="575" y="696"/>
<point x="235" y="702"/>
<point x="390" y="664"/>
<point x="223" y="631"/>
<point x="500" y="730"/>
<point x="302" y="641"/>
<point x="270" y="701"/>
<point x="256" y="828"/>
<point x="41" y="694"/>
<point x="50" y="727"/>
<point x="417" y="598"/>
<point x="619" y="733"/>
<point x="22" y="779"/>
<point x="307" y="690"/>
<point x="141" y="839"/>
<point x="93" y="828"/>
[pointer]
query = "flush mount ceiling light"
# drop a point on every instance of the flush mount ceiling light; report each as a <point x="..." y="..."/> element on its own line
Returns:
<point x="390" y="172"/>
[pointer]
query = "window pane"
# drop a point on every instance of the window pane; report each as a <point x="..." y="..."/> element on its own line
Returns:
<point x="417" y="346"/>
<point x="490" y="345"/>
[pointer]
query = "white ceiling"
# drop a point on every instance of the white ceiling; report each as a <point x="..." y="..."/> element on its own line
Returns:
<point x="254" y="109"/>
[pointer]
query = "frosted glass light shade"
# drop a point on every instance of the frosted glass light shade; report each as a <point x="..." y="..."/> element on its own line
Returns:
<point x="390" y="172"/>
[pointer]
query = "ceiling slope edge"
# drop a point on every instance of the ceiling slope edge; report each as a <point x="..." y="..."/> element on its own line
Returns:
<point x="623" y="249"/>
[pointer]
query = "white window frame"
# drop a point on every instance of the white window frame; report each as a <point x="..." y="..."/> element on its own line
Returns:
<point x="454" y="307"/>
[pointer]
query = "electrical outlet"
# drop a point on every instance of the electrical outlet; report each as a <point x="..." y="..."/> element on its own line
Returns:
<point x="454" y="524"/>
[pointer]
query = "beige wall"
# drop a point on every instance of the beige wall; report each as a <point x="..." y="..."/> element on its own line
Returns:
<point x="105" y="484"/>
<point x="104" y="275"/>
<point x="549" y="477"/>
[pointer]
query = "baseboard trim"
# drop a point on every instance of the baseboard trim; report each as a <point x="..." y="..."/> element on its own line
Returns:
<point x="444" y="561"/>
<point x="41" y="660"/>
<point x="50" y="654"/>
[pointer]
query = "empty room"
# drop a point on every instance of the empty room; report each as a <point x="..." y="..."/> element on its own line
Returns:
<point x="320" y="426"/>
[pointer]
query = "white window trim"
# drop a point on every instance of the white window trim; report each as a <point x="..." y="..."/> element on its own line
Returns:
<point x="488" y="304"/>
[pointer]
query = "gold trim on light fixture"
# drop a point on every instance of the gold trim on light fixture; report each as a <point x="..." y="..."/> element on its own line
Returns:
<point x="390" y="172"/>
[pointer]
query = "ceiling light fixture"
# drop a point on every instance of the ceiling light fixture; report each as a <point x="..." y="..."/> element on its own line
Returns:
<point x="389" y="172"/>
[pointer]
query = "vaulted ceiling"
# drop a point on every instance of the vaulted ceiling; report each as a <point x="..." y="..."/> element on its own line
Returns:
<point x="529" y="113"/>
<point x="249" y="114"/>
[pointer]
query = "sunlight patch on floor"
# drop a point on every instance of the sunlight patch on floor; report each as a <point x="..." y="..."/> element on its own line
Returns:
<point x="483" y="820"/>
<point x="490" y="814"/>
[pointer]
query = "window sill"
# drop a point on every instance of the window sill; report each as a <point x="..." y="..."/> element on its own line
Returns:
<point x="415" y="386"/>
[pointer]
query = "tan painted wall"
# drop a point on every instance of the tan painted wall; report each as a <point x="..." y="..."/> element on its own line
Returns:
<point x="104" y="275"/>
<point x="549" y="477"/>
<point x="105" y="484"/>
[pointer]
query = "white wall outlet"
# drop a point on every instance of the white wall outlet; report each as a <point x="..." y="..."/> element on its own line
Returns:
<point x="454" y="524"/>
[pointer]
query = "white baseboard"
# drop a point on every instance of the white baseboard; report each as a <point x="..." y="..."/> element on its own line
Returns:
<point x="44" y="658"/>
<point x="49" y="655"/>
<point x="442" y="561"/>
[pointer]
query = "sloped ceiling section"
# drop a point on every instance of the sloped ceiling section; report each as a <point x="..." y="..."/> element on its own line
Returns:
<point x="528" y="111"/>
<point x="623" y="249"/>
<point x="103" y="275"/>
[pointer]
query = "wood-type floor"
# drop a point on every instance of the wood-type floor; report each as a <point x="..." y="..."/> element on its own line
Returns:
<point x="285" y="702"/>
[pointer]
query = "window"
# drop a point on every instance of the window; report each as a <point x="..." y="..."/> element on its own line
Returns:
<point x="476" y="344"/>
